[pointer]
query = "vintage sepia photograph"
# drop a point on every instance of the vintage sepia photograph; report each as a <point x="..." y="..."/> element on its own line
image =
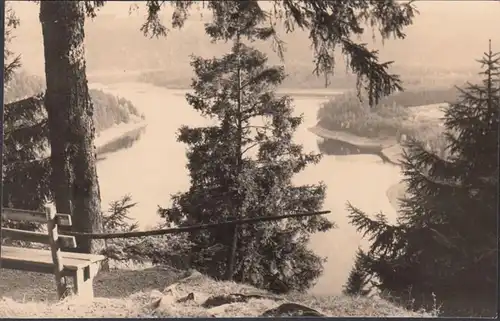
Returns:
<point x="201" y="159"/>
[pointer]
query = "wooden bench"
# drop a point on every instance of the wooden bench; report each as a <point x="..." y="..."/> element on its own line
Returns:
<point x="80" y="267"/>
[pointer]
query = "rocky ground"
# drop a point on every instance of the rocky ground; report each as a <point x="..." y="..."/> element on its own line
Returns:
<point x="164" y="292"/>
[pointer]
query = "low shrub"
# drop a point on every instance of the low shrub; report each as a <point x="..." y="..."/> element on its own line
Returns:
<point x="168" y="249"/>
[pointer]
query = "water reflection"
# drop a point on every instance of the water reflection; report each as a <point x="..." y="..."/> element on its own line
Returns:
<point x="125" y="141"/>
<point x="329" y="146"/>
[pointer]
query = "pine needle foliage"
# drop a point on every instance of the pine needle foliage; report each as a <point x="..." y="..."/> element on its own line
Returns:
<point x="444" y="243"/>
<point x="242" y="166"/>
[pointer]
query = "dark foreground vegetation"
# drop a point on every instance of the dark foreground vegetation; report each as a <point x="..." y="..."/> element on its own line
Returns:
<point x="444" y="246"/>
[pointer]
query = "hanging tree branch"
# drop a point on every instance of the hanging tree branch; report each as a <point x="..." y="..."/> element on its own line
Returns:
<point x="331" y="24"/>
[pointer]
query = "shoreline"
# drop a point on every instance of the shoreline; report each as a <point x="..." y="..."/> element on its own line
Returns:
<point x="389" y="147"/>
<point x="353" y="139"/>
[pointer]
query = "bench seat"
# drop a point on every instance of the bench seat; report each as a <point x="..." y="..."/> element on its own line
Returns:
<point x="81" y="267"/>
<point x="41" y="260"/>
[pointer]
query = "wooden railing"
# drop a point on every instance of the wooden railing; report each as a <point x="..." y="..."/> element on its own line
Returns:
<point x="104" y="236"/>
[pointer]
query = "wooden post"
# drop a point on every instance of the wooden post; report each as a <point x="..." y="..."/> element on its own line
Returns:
<point x="231" y="255"/>
<point x="55" y="250"/>
<point x="82" y="281"/>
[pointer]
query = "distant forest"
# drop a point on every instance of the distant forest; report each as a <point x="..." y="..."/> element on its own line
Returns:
<point x="414" y="98"/>
<point x="419" y="84"/>
<point x="109" y="109"/>
<point x="298" y="77"/>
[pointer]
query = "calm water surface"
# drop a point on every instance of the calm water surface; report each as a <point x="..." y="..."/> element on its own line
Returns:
<point x="154" y="168"/>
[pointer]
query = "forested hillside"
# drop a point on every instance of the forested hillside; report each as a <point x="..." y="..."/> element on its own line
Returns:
<point x="393" y="118"/>
<point x="389" y="118"/>
<point x="109" y="110"/>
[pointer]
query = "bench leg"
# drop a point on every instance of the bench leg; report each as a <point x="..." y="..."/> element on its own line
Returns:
<point x="82" y="281"/>
<point x="62" y="287"/>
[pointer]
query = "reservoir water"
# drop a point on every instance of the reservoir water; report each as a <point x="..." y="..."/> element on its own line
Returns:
<point x="154" y="168"/>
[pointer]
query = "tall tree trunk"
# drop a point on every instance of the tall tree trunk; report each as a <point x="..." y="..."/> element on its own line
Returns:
<point x="70" y="110"/>
<point x="231" y="259"/>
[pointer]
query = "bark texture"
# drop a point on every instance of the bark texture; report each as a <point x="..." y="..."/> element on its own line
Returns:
<point x="74" y="176"/>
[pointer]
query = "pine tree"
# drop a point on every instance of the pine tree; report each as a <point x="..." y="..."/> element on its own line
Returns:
<point x="242" y="167"/>
<point x="357" y="282"/>
<point x="10" y="65"/>
<point x="445" y="239"/>
<point x="25" y="138"/>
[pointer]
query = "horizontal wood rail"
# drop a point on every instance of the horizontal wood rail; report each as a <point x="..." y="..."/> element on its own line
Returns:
<point x="37" y="237"/>
<point x="104" y="236"/>
<point x="34" y="216"/>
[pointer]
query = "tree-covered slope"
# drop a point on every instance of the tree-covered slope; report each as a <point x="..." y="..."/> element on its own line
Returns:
<point x="109" y="109"/>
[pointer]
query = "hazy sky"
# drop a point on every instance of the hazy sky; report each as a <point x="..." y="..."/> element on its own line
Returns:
<point x="445" y="33"/>
<point x="472" y="10"/>
<point x="446" y="8"/>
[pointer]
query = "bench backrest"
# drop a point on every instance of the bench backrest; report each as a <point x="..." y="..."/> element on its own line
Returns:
<point x="50" y="218"/>
<point x="51" y="237"/>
